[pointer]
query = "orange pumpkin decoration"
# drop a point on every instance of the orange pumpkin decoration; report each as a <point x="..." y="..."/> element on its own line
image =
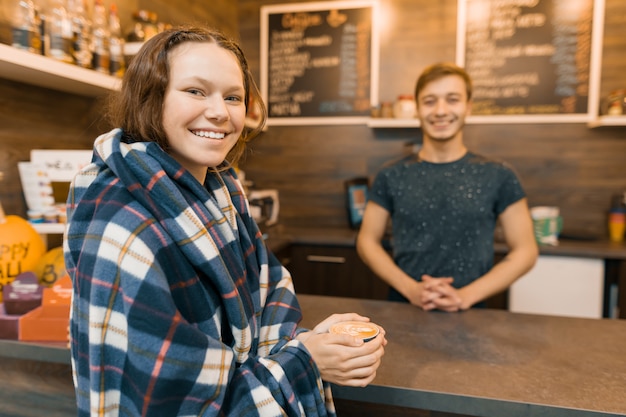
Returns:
<point x="20" y="247"/>
<point x="51" y="267"/>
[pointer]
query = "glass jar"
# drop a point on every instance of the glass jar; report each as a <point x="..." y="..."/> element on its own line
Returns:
<point x="144" y="26"/>
<point x="386" y="110"/>
<point x="404" y="107"/>
<point x="616" y="103"/>
<point x="24" y="31"/>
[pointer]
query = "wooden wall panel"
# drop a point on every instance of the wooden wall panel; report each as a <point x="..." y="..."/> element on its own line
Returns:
<point x="568" y="165"/>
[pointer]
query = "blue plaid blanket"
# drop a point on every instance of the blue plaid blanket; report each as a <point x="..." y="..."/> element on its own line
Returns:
<point x="178" y="308"/>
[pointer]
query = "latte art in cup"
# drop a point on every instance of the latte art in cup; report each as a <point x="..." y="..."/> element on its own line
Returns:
<point x="365" y="330"/>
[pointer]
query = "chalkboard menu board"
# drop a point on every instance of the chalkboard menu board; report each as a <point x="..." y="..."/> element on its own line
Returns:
<point x="318" y="62"/>
<point x="528" y="57"/>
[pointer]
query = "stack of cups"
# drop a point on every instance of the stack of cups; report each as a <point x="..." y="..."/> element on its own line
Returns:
<point x="547" y="224"/>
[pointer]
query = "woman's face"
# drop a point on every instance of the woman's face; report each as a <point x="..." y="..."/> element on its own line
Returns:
<point x="203" y="109"/>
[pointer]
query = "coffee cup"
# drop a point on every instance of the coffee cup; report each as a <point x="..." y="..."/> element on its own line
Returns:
<point x="547" y="224"/>
<point x="364" y="330"/>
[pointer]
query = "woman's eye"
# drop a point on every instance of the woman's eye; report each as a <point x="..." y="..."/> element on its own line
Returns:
<point x="234" y="98"/>
<point x="195" y="91"/>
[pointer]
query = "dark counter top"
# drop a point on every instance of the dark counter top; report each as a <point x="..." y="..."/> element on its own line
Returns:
<point x="481" y="362"/>
<point x="489" y="363"/>
<point x="51" y="352"/>
<point x="280" y="236"/>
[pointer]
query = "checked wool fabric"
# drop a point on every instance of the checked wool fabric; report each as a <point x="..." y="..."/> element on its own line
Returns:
<point x="178" y="307"/>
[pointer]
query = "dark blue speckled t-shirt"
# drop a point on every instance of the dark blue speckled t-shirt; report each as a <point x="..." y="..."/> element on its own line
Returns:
<point x="444" y="215"/>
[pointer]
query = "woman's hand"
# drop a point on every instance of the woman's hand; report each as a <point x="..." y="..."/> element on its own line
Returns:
<point x="343" y="359"/>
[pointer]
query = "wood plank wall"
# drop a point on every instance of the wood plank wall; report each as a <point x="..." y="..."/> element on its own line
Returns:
<point x="568" y="165"/>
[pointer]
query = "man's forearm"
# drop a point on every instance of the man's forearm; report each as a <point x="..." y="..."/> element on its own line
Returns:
<point x="383" y="265"/>
<point x="500" y="277"/>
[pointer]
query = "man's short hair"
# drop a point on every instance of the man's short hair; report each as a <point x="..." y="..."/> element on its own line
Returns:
<point x="439" y="70"/>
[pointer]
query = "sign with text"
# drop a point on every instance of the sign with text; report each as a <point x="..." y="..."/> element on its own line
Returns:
<point x="319" y="62"/>
<point x="529" y="59"/>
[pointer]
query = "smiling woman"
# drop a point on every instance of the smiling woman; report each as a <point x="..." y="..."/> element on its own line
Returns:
<point x="193" y="314"/>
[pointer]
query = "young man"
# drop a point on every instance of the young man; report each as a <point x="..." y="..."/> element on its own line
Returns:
<point x="444" y="203"/>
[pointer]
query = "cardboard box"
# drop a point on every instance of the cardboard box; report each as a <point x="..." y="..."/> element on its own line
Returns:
<point x="22" y="295"/>
<point x="49" y="322"/>
<point x="9" y="324"/>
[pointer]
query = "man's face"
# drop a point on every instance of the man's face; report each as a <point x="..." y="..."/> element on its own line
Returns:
<point x="442" y="107"/>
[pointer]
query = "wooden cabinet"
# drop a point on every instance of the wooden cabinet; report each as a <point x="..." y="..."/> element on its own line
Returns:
<point x="332" y="270"/>
<point x="338" y="271"/>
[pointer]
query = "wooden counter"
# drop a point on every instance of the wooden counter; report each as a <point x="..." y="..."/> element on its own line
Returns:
<point x="36" y="380"/>
<point x="489" y="363"/>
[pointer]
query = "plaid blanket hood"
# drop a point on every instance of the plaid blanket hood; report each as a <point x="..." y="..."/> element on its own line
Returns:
<point x="178" y="308"/>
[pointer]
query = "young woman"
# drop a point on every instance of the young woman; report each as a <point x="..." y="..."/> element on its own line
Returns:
<point x="179" y="308"/>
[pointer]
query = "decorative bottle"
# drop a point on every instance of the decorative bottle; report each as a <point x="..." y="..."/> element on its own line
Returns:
<point x="116" y="46"/>
<point x="24" y="31"/>
<point x="100" y="52"/>
<point x="81" y="33"/>
<point x="59" y="31"/>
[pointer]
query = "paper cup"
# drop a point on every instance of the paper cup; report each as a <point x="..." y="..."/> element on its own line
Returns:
<point x="365" y="330"/>
<point x="544" y="212"/>
<point x="547" y="224"/>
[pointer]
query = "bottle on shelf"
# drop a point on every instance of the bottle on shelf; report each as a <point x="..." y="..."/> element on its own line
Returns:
<point x="116" y="45"/>
<point x="40" y="24"/>
<point x="100" y="52"/>
<point x="145" y="26"/>
<point x="24" y="30"/>
<point x="81" y="33"/>
<point x="59" y="31"/>
<point x="617" y="102"/>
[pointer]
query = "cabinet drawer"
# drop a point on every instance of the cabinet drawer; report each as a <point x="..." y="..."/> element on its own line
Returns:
<point x="335" y="271"/>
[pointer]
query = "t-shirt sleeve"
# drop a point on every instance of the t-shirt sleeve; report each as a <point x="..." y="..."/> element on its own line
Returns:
<point x="511" y="190"/>
<point x="379" y="191"/>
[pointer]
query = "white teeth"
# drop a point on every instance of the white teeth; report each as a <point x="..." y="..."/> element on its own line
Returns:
<point x="212" y="135"/>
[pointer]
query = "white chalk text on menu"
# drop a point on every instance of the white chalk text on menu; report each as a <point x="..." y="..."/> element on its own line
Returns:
<point x="532" y="60"/>
<point x="319" y="62"/>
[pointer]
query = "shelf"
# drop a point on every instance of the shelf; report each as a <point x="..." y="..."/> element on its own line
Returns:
<point x="608" y="121"/>
<point x="497" y="119"/>
<point x="29" y="68"/>
<point x="393" y="123"/>
<point x="49" y="228"/>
